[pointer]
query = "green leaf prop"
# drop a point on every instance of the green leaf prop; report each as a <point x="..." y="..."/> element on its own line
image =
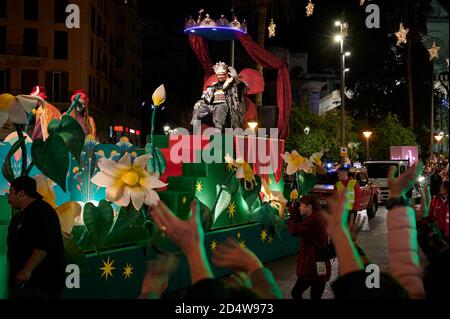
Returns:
<point x="71" y="132"/>
<point x="98" y="221"/>
<point x="52" y="159"/>
<point x="127" y="217"/>
<point x="250" y="196"/>
<point x="222" y="202"/>
<point x="7" y="169"/>
<point x="268" y="216"/>
<point x="156" y="164"/>
<point x="305" y="182"/>
<point x="75" y="255"/>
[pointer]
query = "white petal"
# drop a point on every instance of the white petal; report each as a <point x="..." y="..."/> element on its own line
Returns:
<point x="102" y="179"/>
<point x="151" y="182"/>
<point x="228" y="159"/>
<point x="291" y="169"/>
<point x="125" y="161"/>
<point x="17" y="114"/>
<point x="137" y="197"/>
<point x="114" y="192"/>
<point x="141" y="161"/>
<point x="151" y="197"/>
<point x="3" y="118"/>
<point x="124" y="200"/>
<point x="109" y="167"/>
<point x="240" y="173"/>
<point x="29" y="102"/>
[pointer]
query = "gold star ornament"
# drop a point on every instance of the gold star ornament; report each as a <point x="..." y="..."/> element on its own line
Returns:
<point x="213" y="245"/>
<point x="263" y="235"/>
<point x="107" y="268"/>
<point x="198" y="187"/>
<point x="127" y="271"/>
<point x="272" y="28"/>
<point x="401" y="34"/>
<point x="231" y="209"/>
<point x="434" y="51"/>
<point x="242" y="243"/>
<point x="309" y="9"/>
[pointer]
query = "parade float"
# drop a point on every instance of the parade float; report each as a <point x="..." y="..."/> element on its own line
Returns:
<point x="102" y="192"/>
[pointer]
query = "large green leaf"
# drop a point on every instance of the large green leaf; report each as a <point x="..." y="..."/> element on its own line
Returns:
<point x="52" y="159"/>
<point x="7" y="169"/>
<point x="250" y="196"/>
<point x="75" y="255"/>
<point x="127" y="216"/>
<point x="222" y="202"/>
<point x="71" y="132"/>
<point x="305" y="183"/>
<point x="156" y="164"/>
<point x="98" y="221"/>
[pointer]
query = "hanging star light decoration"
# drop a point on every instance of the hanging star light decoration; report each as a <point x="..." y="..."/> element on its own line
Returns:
<point x="434" y="51"/>
<point x="213" y="245"/>
<point x="309" y="9"/>
<point x="401" y="34"/>
<point x="107" y="268"/>
<point x="272" y="28"/>
<point x="127" y="271"/>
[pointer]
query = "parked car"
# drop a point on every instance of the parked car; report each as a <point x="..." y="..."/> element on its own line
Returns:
<point x="369" y="193"/>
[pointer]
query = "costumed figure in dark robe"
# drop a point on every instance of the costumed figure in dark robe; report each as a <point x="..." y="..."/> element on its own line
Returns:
<point x="226" y="96"/>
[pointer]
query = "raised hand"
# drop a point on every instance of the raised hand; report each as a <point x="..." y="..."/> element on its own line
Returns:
<point x="337" y="216"/>
<point x="157" y="276"/>
<point x="425" y="201"/>
<point x="232" y="72"/>
<point x="231" y="255"/>
<point x="401" y="185"/>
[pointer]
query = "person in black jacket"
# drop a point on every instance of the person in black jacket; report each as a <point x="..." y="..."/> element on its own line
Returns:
<point x="35" y="245"/>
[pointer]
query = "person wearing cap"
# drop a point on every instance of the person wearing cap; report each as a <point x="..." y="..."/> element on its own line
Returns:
<point x="224" y="97"/>
<point x="35" y="245"/>
<point x="352" y="189"/>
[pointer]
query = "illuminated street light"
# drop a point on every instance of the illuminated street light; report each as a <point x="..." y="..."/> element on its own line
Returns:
<point x="252" y="125"/>
<point x="347" y="53"/>
<point x="367" y="135"/>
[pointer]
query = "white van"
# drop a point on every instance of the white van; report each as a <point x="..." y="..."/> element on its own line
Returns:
<point x="378" y="171"/>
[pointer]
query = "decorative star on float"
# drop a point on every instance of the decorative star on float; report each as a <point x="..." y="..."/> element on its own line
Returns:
<point x="107" y="268"/>
<point x="401" y="34"/>
<point x="242" y="243"/>
<point x="213" y="245"/>
<point x="231" y="209"/>
<point x="263" y="235"/>
<point x="198" y="187"/>
<point x="184" y="200"/>
<point x="272" y="27"/>
<point x="309" y="9"/>
<point x="270" y="181"/>
<point x="434" y="51"/>
<point x="127" y="271"/>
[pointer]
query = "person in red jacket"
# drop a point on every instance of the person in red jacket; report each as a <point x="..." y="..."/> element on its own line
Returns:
<point x="439" y="208"/>
<point x="313" y="265"/>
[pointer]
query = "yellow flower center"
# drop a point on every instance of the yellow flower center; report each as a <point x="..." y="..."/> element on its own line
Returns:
<point x="130" y="178"/>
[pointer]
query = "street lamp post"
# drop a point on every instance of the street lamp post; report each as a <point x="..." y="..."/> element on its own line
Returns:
<point x="367" y="135"/>
<point x="340" y="38"/>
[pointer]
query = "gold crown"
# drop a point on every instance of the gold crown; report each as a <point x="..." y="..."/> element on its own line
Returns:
<point x="220" y="67"/>
<point x="209" y="22"/>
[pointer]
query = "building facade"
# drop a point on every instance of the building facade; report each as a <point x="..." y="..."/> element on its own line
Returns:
<point x="37" y="48"/>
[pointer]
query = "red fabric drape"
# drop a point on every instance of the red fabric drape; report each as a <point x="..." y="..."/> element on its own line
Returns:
<point x="200" y="47"/>
<point x="284" y="94"/>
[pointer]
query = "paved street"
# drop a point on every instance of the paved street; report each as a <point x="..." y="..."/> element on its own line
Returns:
<point x="373" y="242"/>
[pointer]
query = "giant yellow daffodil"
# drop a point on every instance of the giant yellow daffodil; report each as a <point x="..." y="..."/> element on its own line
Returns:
<point x="296" y="162"/>
<point x="159" y="96"/>
<point x="243" y="170"/>
<point x="16" y="108"/>
<point x="127" y="182"/>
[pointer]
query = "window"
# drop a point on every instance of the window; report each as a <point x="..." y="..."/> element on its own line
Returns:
<point x="91" y="56"/>
<point x="57" y="84"/>
<point x="93" y="15"/>
<point x="3" y="8"/>
<point x="99" y="26"/>
<point x="2" y="39"/>
<point x="4" y="80"/>
<point x="60" y="45"/>
<point x="31" y="9"/>
<point x="28" y="79"/>
<point x="30" y="42"/>
<point x="105" y="98"/>
<point x="60" y="10"/>
<point x="91" y="86"/>
<point x="121" y="20"/>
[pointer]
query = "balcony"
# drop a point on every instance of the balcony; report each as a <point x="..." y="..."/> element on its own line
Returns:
<point x="20" y="50"/>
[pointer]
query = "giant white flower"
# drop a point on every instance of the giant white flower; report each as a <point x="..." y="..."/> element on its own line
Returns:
<point x="295" y="162"/>
<point x="16" y="108"/>
<point x="127" y="182"/>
